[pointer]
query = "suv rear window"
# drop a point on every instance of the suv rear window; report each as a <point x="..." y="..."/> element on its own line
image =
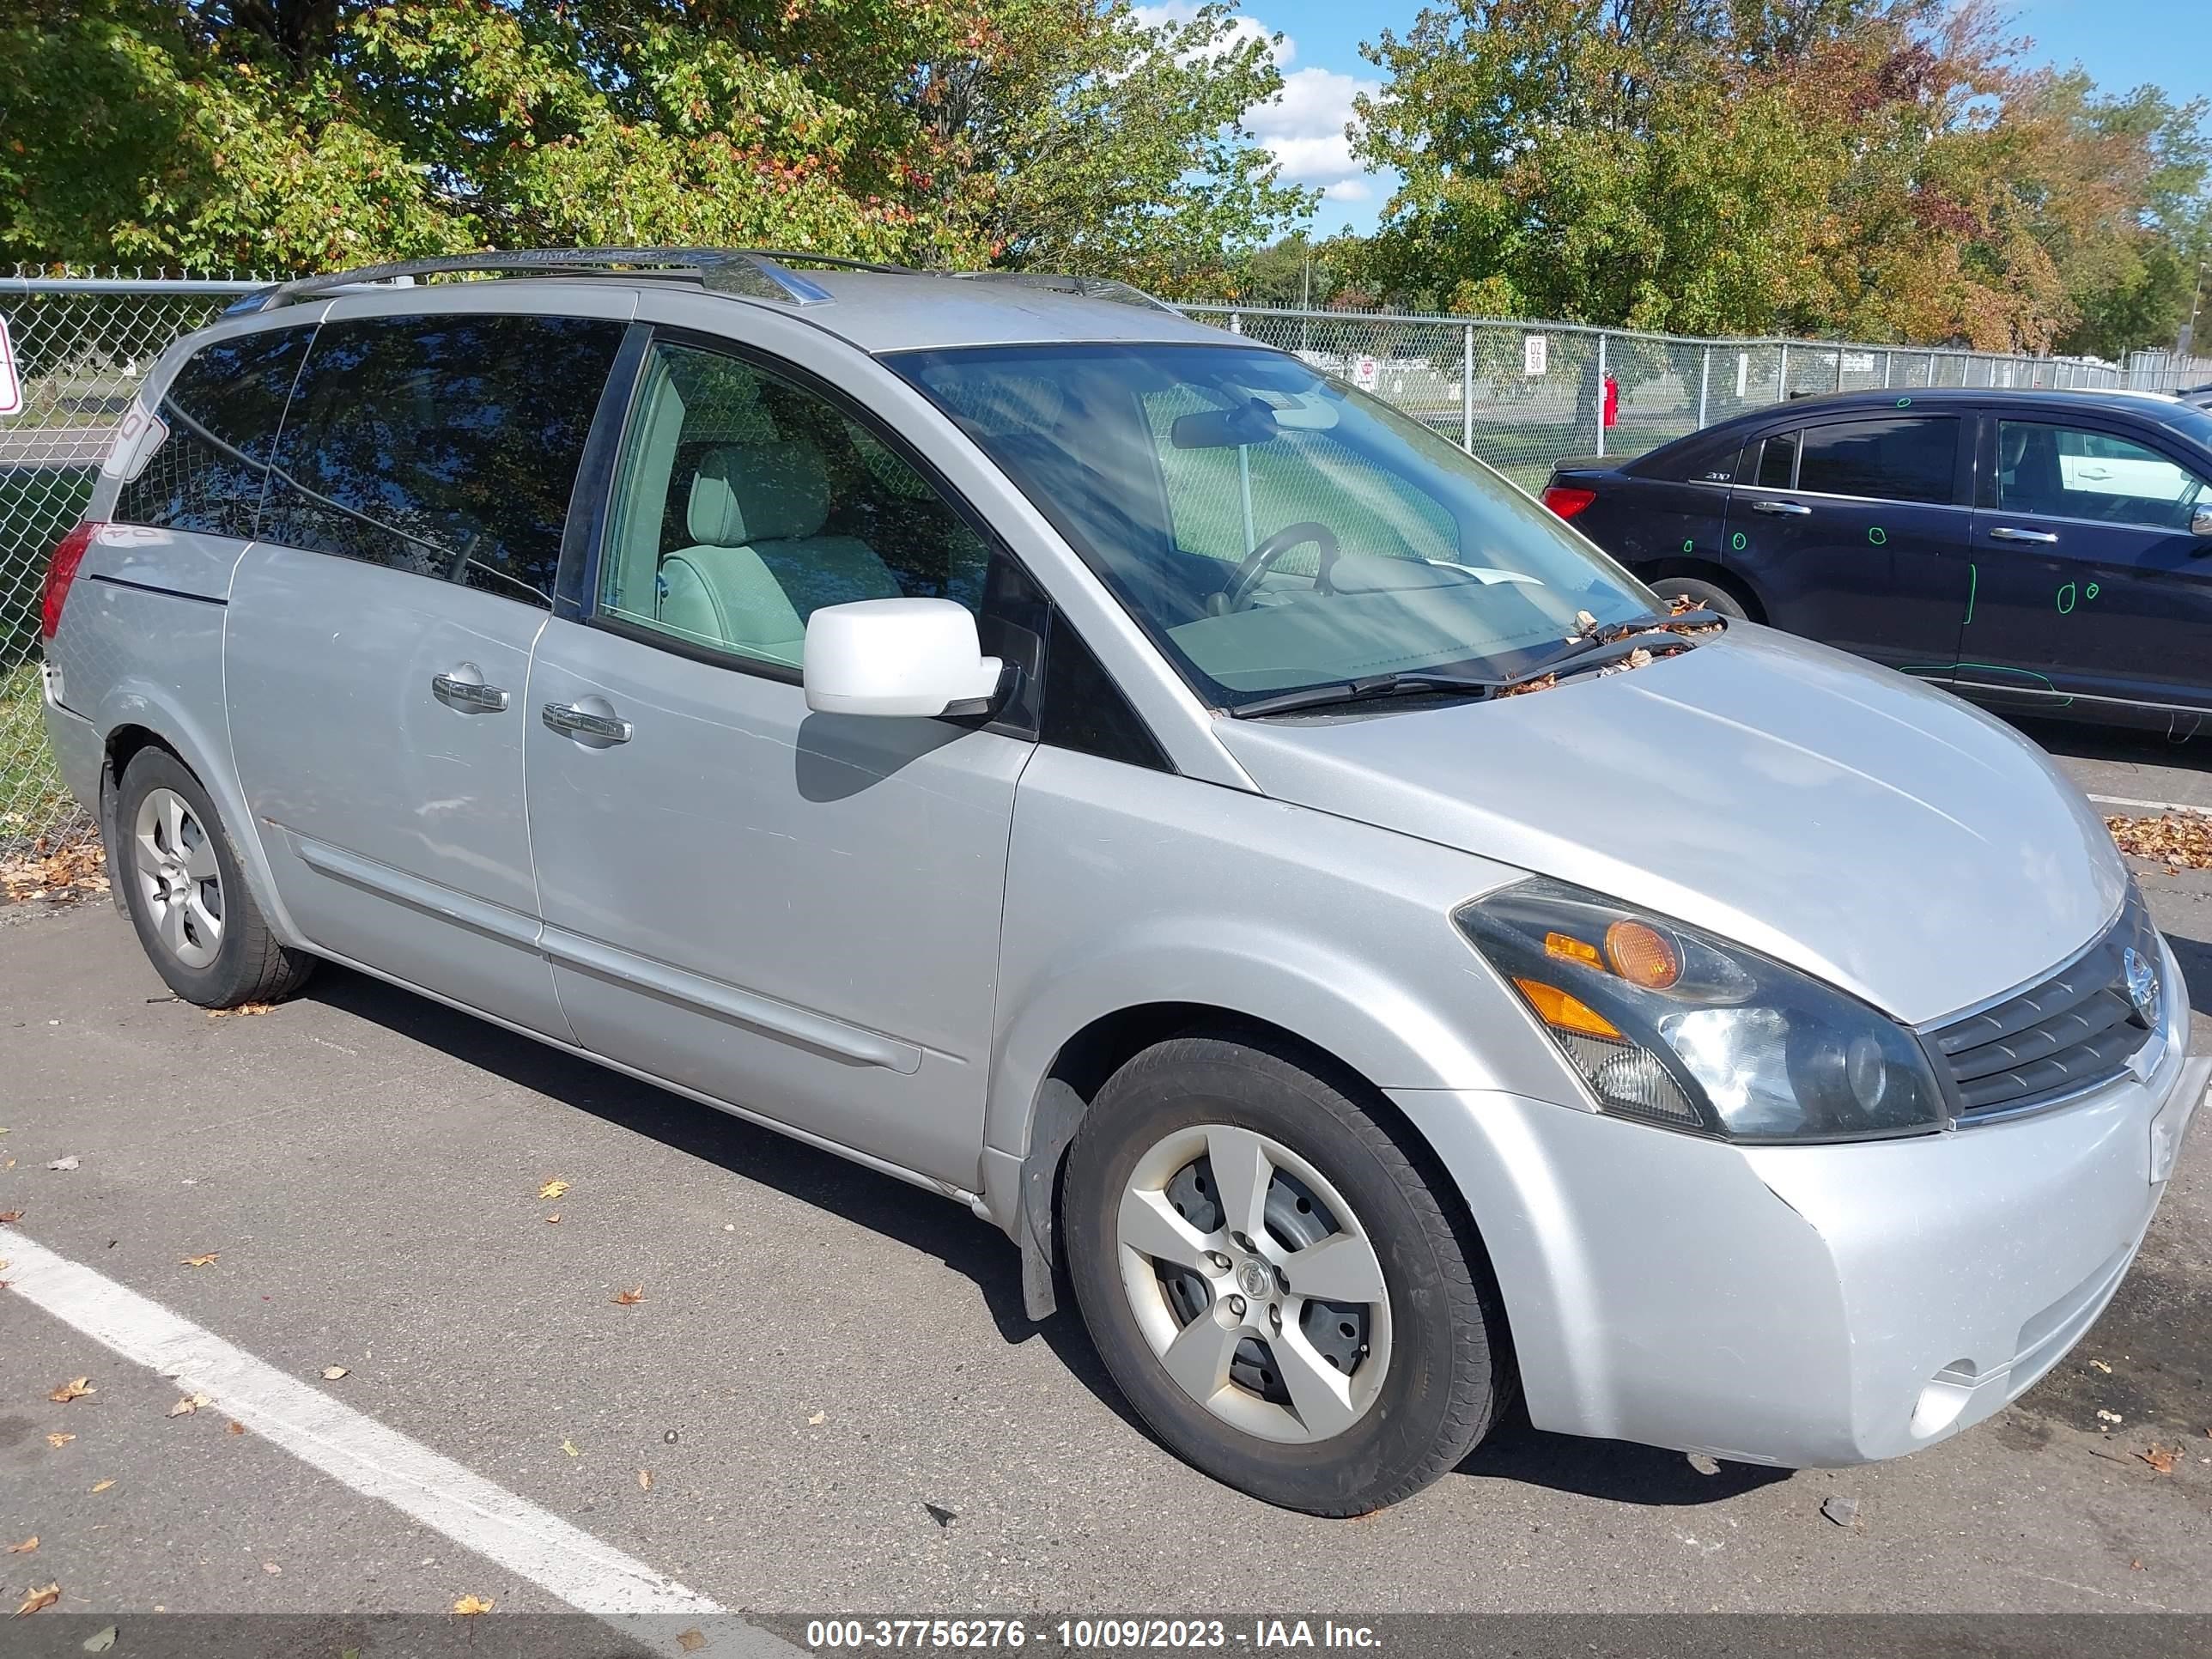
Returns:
<point x="446" y="446"/>
<point x="222" y="410"/>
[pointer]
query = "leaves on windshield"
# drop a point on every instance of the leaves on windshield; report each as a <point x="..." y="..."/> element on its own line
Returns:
<point x="1522" y="687"/>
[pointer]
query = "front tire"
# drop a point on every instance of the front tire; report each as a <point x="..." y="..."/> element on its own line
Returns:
<point x="1711" y="595"/>
<point x="1274" y="1286"/>
<point x="178" y="876"/>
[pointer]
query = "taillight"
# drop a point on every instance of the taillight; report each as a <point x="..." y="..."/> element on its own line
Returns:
<point x="1566" y="501"/>
<point x="61" y="571"/>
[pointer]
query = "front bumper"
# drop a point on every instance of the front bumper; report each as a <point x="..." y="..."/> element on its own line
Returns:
<point x="1815" y="1305"/>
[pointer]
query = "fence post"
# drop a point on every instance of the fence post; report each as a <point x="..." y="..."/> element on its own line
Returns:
<point x="1840" y="365"/>
<point x="1704" y="386"/>
<point x="1235" y="322"/>
<point x="1888" y="362"/>
<point x="1782" y="385"/>
<point x="1600" y="395"/>
<point x="1467" y="393"/>
<point x="1931" y="369"/>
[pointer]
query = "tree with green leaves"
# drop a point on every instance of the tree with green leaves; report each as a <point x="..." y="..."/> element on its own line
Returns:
<point x="315" y="134"/>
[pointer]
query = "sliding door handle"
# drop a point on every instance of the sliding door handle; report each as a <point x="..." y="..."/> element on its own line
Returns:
<point x="566" y="718"/>
<point x="2005" y="532"/>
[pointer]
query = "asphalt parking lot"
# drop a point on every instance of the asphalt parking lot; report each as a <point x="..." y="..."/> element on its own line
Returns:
<point x="827" y="1398"/>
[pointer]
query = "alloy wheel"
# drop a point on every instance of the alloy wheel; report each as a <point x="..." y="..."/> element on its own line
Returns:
<point x="180" y="882"/>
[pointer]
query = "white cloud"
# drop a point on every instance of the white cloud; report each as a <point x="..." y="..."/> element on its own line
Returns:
<point x="1305" y="124"/>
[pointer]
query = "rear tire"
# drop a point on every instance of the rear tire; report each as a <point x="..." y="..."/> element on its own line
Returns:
<point x="179" y="879"/>
<point x="1711" y="595"/>
<point x="1211" y="1181"/>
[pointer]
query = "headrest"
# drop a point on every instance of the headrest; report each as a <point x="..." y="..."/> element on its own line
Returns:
<point x="748" y="493"/>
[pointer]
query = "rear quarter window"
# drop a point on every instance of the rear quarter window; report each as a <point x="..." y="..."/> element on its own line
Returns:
<point x="222" y="410"/>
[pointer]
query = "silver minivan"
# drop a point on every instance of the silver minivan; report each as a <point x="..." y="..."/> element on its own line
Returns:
<point x="1377" y="953"/>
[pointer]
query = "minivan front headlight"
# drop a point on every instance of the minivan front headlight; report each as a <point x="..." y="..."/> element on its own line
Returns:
<point x="1672" y="1026"/>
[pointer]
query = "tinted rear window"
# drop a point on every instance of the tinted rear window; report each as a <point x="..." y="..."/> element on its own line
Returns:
<point x="223" y="410"/>
<point x="1912" y="458"/>
<point x="444" y="446"/>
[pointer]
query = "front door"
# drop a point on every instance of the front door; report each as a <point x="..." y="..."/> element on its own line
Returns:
<point x="1853" y="533"/>
<point x="377" y="647"/>
<point x="796" y="914"/>
<point x="2089" y="588"/>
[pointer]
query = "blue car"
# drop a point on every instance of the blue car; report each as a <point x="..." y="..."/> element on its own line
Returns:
<point x="2041" y="552"/>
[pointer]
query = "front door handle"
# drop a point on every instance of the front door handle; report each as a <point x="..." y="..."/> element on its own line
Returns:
<point x="1788" y="509"/>
<point x="2005" y="532"/>
<point x="464" y="689"/>
<point x="576" y="722"/>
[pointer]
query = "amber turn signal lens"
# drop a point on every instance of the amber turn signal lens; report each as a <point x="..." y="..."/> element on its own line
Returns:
<point x="1556" y="1008"/>
<point x="1641" y="955"/>
<point x="1567" y="946"/>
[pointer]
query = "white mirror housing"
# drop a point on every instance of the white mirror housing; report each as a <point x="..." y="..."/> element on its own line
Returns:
<point x="916" y="658"/>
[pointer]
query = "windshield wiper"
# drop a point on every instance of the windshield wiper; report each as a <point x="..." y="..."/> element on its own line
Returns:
<point x="1660" y="635"/>
<point x="1363" y="691"/>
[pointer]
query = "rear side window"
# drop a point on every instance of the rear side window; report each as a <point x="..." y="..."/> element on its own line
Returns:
<point x="1913" y="458"/>
<point x="444" y="445"/>
<point x="222" y="411"/>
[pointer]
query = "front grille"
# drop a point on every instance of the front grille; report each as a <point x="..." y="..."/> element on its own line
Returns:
<point x="2067" y="1033"/>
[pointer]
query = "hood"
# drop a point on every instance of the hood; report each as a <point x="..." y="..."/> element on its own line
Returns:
<point x="1885" y="838"/>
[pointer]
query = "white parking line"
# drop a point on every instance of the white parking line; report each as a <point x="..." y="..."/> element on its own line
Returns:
<point x="2148" y="805"/>
<point x="592" y="1577"/>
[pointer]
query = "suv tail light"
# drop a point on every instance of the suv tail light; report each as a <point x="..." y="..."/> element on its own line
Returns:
<point x="1567" y="500"/>
<point x="61" y="571"/>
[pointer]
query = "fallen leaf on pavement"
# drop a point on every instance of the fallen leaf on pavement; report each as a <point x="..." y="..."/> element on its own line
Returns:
<point x="57" y="1440"/>
<point x="189" y="1404"/>
<point x="569" y="1447"/>
<point x="272" y="1569"/>
<point x="2182" y="840"/>
<point x="690" y="1640"/>
<point x="10" y="1217"/>
<point x="942" y="1516"/>
<point x="67" y="1164"/>
<point x="2101" y="1365"/>
<point x="553" y="1188"/>
<point x="1844" y="1511"/>
<point x="2161" y="1458"/>
<point x="233" y="1427"/>
<point x="631" y="1298"/>
<point x="76" y="1389"/>
<point x="645" y="1479"/>
<point x="331" y="1373"/>
<point x="102" y="1485"/>
<point x="2103" y="1416"/>
<point x="25" y="1546"/>
<point x="555" y="1216"/>
<point x="207" y="1261"/>
<point x="33" y="1600"/>
<point x="817" y="1420"/>
<point x="99" y="1641"/>
<point x="470" y="1606"/>
<point x="242" y="1008"/>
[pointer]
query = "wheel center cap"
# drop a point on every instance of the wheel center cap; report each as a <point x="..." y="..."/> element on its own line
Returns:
<point x="1255" y="1280"/>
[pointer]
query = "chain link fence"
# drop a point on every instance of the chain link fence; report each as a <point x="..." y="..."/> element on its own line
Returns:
<point x="1521" y="395"/>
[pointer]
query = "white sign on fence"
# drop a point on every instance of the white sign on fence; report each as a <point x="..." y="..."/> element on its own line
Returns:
<point x="1536" y="354"/>
<point x="1366" y="374"/>
<point x="11" y="378"/>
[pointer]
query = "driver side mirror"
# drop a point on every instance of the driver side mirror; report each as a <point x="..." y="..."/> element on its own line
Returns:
<point x="916" y="658"/>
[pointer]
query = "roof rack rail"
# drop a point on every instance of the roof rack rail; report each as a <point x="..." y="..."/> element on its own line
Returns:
<point x="1086" y="288"/>
<point x="729" y="270"/>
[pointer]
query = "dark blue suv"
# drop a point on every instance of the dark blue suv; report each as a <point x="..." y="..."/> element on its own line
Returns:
<point x="2046" y="552"/>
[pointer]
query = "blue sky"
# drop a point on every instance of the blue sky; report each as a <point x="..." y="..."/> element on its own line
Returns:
<point x="2122" y="43"/>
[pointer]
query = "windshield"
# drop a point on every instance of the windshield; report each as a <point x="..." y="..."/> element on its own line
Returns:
<point x="1271" y="529"/>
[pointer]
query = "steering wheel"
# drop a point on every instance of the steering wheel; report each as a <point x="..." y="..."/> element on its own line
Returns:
<point x="1262" y="559"/>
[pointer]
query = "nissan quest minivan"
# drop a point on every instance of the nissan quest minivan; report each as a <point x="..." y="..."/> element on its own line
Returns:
<point x="1377" y="951"/>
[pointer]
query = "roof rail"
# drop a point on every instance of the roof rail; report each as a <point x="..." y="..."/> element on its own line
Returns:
<point x="1085" y="288"/>
<point x="729" y="270"/>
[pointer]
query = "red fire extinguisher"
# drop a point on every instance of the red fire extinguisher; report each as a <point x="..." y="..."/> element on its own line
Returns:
<point x="1612" y="401"/>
